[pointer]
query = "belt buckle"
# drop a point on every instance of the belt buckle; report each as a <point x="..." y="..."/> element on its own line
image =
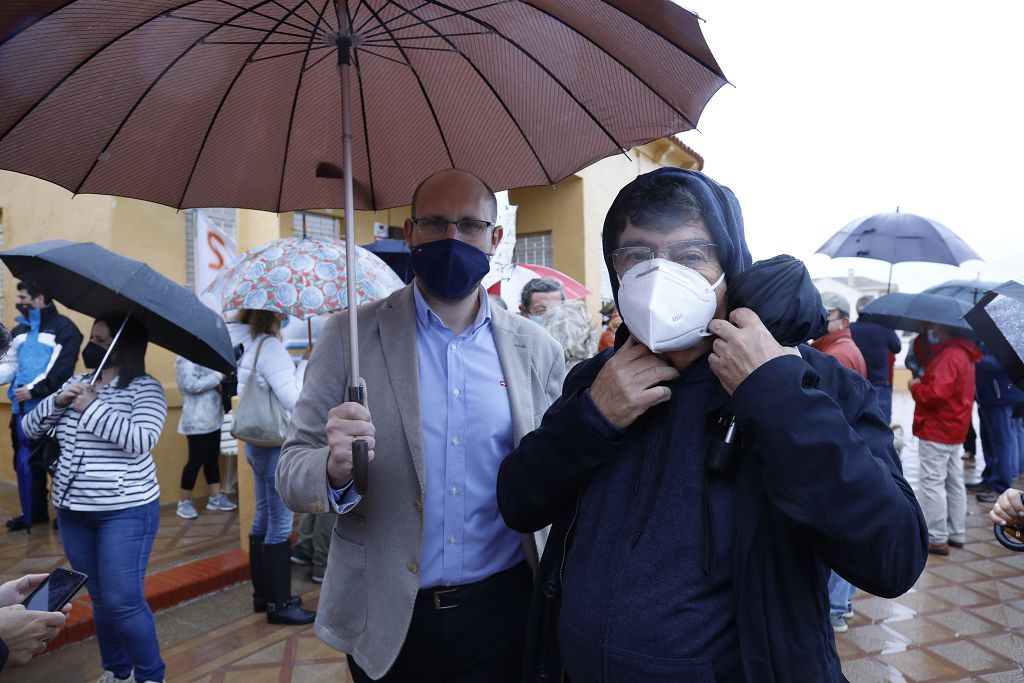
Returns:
<point x="437" y="598"/>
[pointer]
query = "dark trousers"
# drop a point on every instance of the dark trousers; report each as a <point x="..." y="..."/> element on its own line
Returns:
<point x="999" y="441"/>
<point x="477" y="635"/>
<point x="31" y="475"/>
<point x="203" y="452"/>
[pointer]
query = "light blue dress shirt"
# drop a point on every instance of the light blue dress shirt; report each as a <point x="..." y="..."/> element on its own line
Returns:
<point x="467" y="431"/>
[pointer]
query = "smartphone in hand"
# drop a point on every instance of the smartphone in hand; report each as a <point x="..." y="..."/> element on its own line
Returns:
<point x="56" y="590"/>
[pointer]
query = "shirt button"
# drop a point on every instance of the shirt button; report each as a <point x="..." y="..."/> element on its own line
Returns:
<point x="452" y="539"/>
<point x="455" y="391"/>
<point x="419" y="506"/>
<point x="413" y="567"/>
<point x="454" y="490"/>
<point x="455" y="440"/>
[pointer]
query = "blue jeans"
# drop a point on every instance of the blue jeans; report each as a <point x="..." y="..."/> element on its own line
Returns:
<point x="883" y="392"/>
<point x="840" y="595"/>
<point x="999" y="441"/>
<point x="113" y="548"/>
<point x="273" y="520"/>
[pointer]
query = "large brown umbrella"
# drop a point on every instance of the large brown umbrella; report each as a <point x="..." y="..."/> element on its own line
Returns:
<point x="265" y="104"/>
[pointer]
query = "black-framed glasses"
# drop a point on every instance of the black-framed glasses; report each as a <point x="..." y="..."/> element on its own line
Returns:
<point x="695" y="254"/>
<point x="467" y="227"/>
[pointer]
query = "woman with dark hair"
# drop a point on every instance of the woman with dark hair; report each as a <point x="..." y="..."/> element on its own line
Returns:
<point x="266" y="361"/>
<point x="105" y="489"/>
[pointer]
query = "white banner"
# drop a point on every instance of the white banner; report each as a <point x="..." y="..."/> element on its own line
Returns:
<point x="214" y="251"/>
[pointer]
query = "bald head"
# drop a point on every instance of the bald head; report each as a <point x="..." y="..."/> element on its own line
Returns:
<point x="454" y="182"/>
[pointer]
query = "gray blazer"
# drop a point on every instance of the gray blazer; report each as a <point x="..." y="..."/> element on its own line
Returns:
<point x="372" y="573"/>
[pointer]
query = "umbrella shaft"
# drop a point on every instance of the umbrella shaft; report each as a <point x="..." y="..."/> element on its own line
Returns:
<point x="113" y="343"/>
<point x="350" y="229"/>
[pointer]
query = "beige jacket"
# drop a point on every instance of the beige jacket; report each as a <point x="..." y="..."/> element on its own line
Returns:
<point x="372" y="574"/>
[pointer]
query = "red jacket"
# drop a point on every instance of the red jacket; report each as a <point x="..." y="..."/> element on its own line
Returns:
<point x="840" y="345"/>
<point x="945" y="395"/>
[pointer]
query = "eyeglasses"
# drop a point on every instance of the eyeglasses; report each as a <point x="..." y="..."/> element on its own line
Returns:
<point x="695" y="254"/>
<point x="466" y="227"/>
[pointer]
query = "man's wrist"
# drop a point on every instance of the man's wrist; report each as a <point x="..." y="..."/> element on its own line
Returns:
<point x="339" y="483"/>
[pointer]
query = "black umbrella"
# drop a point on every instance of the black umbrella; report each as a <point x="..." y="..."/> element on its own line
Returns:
<point x="898" y="237"/>
<point x="998" y="320"/>
<point x="970" y="291"/>
<point x="89" y="279"/>
<point x="901" y="311"/>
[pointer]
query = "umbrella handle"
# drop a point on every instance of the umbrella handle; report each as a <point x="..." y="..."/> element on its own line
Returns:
<point x="360" y="449"/>
<point x="1010" y="537"/>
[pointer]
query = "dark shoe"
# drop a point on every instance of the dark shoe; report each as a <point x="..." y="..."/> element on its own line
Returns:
<point x="318" y="575"/>
<point x="987" y="497"/>
<point x="980" y="486"/>
<point x="16" y="523"/>
<point x="278" y="571"/>
<point x="301" y="556"/>
<point x="955" y="544"/>
<point x="938" y="549"/>
<point x="260" y="604"/>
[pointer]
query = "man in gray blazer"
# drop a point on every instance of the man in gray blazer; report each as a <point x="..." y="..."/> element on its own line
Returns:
<point x="424" y="580"/>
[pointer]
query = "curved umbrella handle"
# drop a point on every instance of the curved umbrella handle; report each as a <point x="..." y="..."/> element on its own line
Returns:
<point x="1010" y="537"/>
<point x="360" y="449"/>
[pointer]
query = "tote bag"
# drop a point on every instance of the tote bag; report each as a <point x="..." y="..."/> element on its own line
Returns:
<point x="259" y="418"/>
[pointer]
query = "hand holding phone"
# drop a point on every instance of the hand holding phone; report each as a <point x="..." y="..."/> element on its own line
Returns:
<point x="55" y="591"/>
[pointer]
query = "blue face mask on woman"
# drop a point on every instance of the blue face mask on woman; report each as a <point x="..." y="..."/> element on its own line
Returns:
<point x="933" y="336"/>
<point x="449" y="269"/>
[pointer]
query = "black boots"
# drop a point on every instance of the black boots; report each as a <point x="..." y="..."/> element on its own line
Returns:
<point x="278" y="573"/>
<point x="257" y="574"/>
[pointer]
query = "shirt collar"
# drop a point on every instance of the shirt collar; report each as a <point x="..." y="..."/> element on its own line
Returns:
<point x="424" y="315"/>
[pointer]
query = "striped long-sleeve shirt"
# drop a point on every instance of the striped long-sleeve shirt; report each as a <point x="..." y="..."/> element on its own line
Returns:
<point x="106" y="458"/>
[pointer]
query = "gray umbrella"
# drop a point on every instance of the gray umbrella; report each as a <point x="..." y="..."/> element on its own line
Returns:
<point x="898" y="237"/>
<point x="970" y="291"/>
<point x="89" y="279"/>
<point x="901" y="311"/>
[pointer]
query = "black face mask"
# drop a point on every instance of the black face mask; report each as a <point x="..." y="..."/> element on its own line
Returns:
<point x="92" y="355"/>
<point x="449" y="269"/>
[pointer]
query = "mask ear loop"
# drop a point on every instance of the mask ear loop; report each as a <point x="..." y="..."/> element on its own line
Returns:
<point x="719" y="281"/>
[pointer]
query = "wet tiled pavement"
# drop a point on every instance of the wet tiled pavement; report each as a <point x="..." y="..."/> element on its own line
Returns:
<point x="963" y="621"/>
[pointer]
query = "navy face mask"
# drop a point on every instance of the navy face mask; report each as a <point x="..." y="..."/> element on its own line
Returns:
<point x="449" y="269"/>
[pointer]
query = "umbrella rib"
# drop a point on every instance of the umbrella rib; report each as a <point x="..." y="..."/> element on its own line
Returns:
<point x="494" y="91"/>
<point x="384" y="46"/>
<point x="142" y="97"/>
<point x="299" y="16"/>
<point x="367" y="20"/>
<point x="423" y="89"/>
<point x="373" y="41"/>
<point x="38" y="19"/>
<point x="292" y="52"/>
<point x="267" y="16"/>
<point x="213" y="119"/>
<point x="319" y="59"/>
<point x="81" y="64"/>
<point x="222" y="24"/>
<point x="539" y="65"/>
<point x="379" y="56"/>
<point x="423" y="22"/>
<point x="295" y="103"/>
<point x="366" y="127"/>
<point x="654" y="91"/>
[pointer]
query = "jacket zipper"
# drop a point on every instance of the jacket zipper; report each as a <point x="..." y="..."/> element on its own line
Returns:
<point x="565" y="541"/>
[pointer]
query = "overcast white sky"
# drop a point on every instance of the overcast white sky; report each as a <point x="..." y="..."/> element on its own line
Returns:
<point x="842" y="110"/>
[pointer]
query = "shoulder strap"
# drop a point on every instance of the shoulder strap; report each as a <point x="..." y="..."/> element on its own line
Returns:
<point x="257" y="356"/>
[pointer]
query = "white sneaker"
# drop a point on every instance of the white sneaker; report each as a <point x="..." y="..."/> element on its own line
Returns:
<point x="220" y="502"/>
<point x="109" y="677"/>
<point x="186" y="510"/>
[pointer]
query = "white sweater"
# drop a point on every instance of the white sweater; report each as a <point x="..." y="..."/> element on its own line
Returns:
<point x="275" y="367"/>
<point x="106" y="460"/>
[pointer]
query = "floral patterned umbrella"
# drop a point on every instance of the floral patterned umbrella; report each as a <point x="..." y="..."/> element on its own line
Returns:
<point x="301" y="277"/>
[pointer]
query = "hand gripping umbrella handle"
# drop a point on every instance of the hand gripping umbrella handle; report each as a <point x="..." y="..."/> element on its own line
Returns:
<point x="360" y="449"/>
<point x="1010" y="537"/>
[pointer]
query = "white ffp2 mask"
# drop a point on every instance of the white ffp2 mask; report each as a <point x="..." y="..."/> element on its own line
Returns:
<point x="667" y="306"/>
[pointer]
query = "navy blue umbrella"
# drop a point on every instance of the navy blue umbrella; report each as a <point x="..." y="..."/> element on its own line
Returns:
<point x="898" y="237"/>
<point x="396" y="254"/>
<point x="92" y="280"/>
<point x="901" y="311"/>
<point x="998" y="320"/>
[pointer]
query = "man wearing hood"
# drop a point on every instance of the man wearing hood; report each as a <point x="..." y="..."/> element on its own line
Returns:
<point x="667" y="561"/>
<point x="943" y="401"/>
<point x="424" y="579"/>
<point x="41" y="359"/>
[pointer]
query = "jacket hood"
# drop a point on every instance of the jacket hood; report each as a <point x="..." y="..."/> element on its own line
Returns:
<point x="966" y="344"/>
<point x="780" y="291"/>
<point x="722" y="217"/>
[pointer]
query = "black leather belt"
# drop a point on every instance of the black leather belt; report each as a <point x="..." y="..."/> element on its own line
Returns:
<point x="448" y="597"/>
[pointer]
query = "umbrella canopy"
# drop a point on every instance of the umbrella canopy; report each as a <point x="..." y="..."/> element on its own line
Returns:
<point x="998" y="320"/>
<point x="898" y="237"/>
<point x="89" y="279"/>
<point x="240" y="103"/>
<point x="396" y="254"/>
<point x="970" y="291"/>
<point x="509" y="290"/>
<point x="301" y="277"/>
<point x="902" y="311"/>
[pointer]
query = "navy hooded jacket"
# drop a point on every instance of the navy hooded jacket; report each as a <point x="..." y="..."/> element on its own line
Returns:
<point x="819" y="487"/>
